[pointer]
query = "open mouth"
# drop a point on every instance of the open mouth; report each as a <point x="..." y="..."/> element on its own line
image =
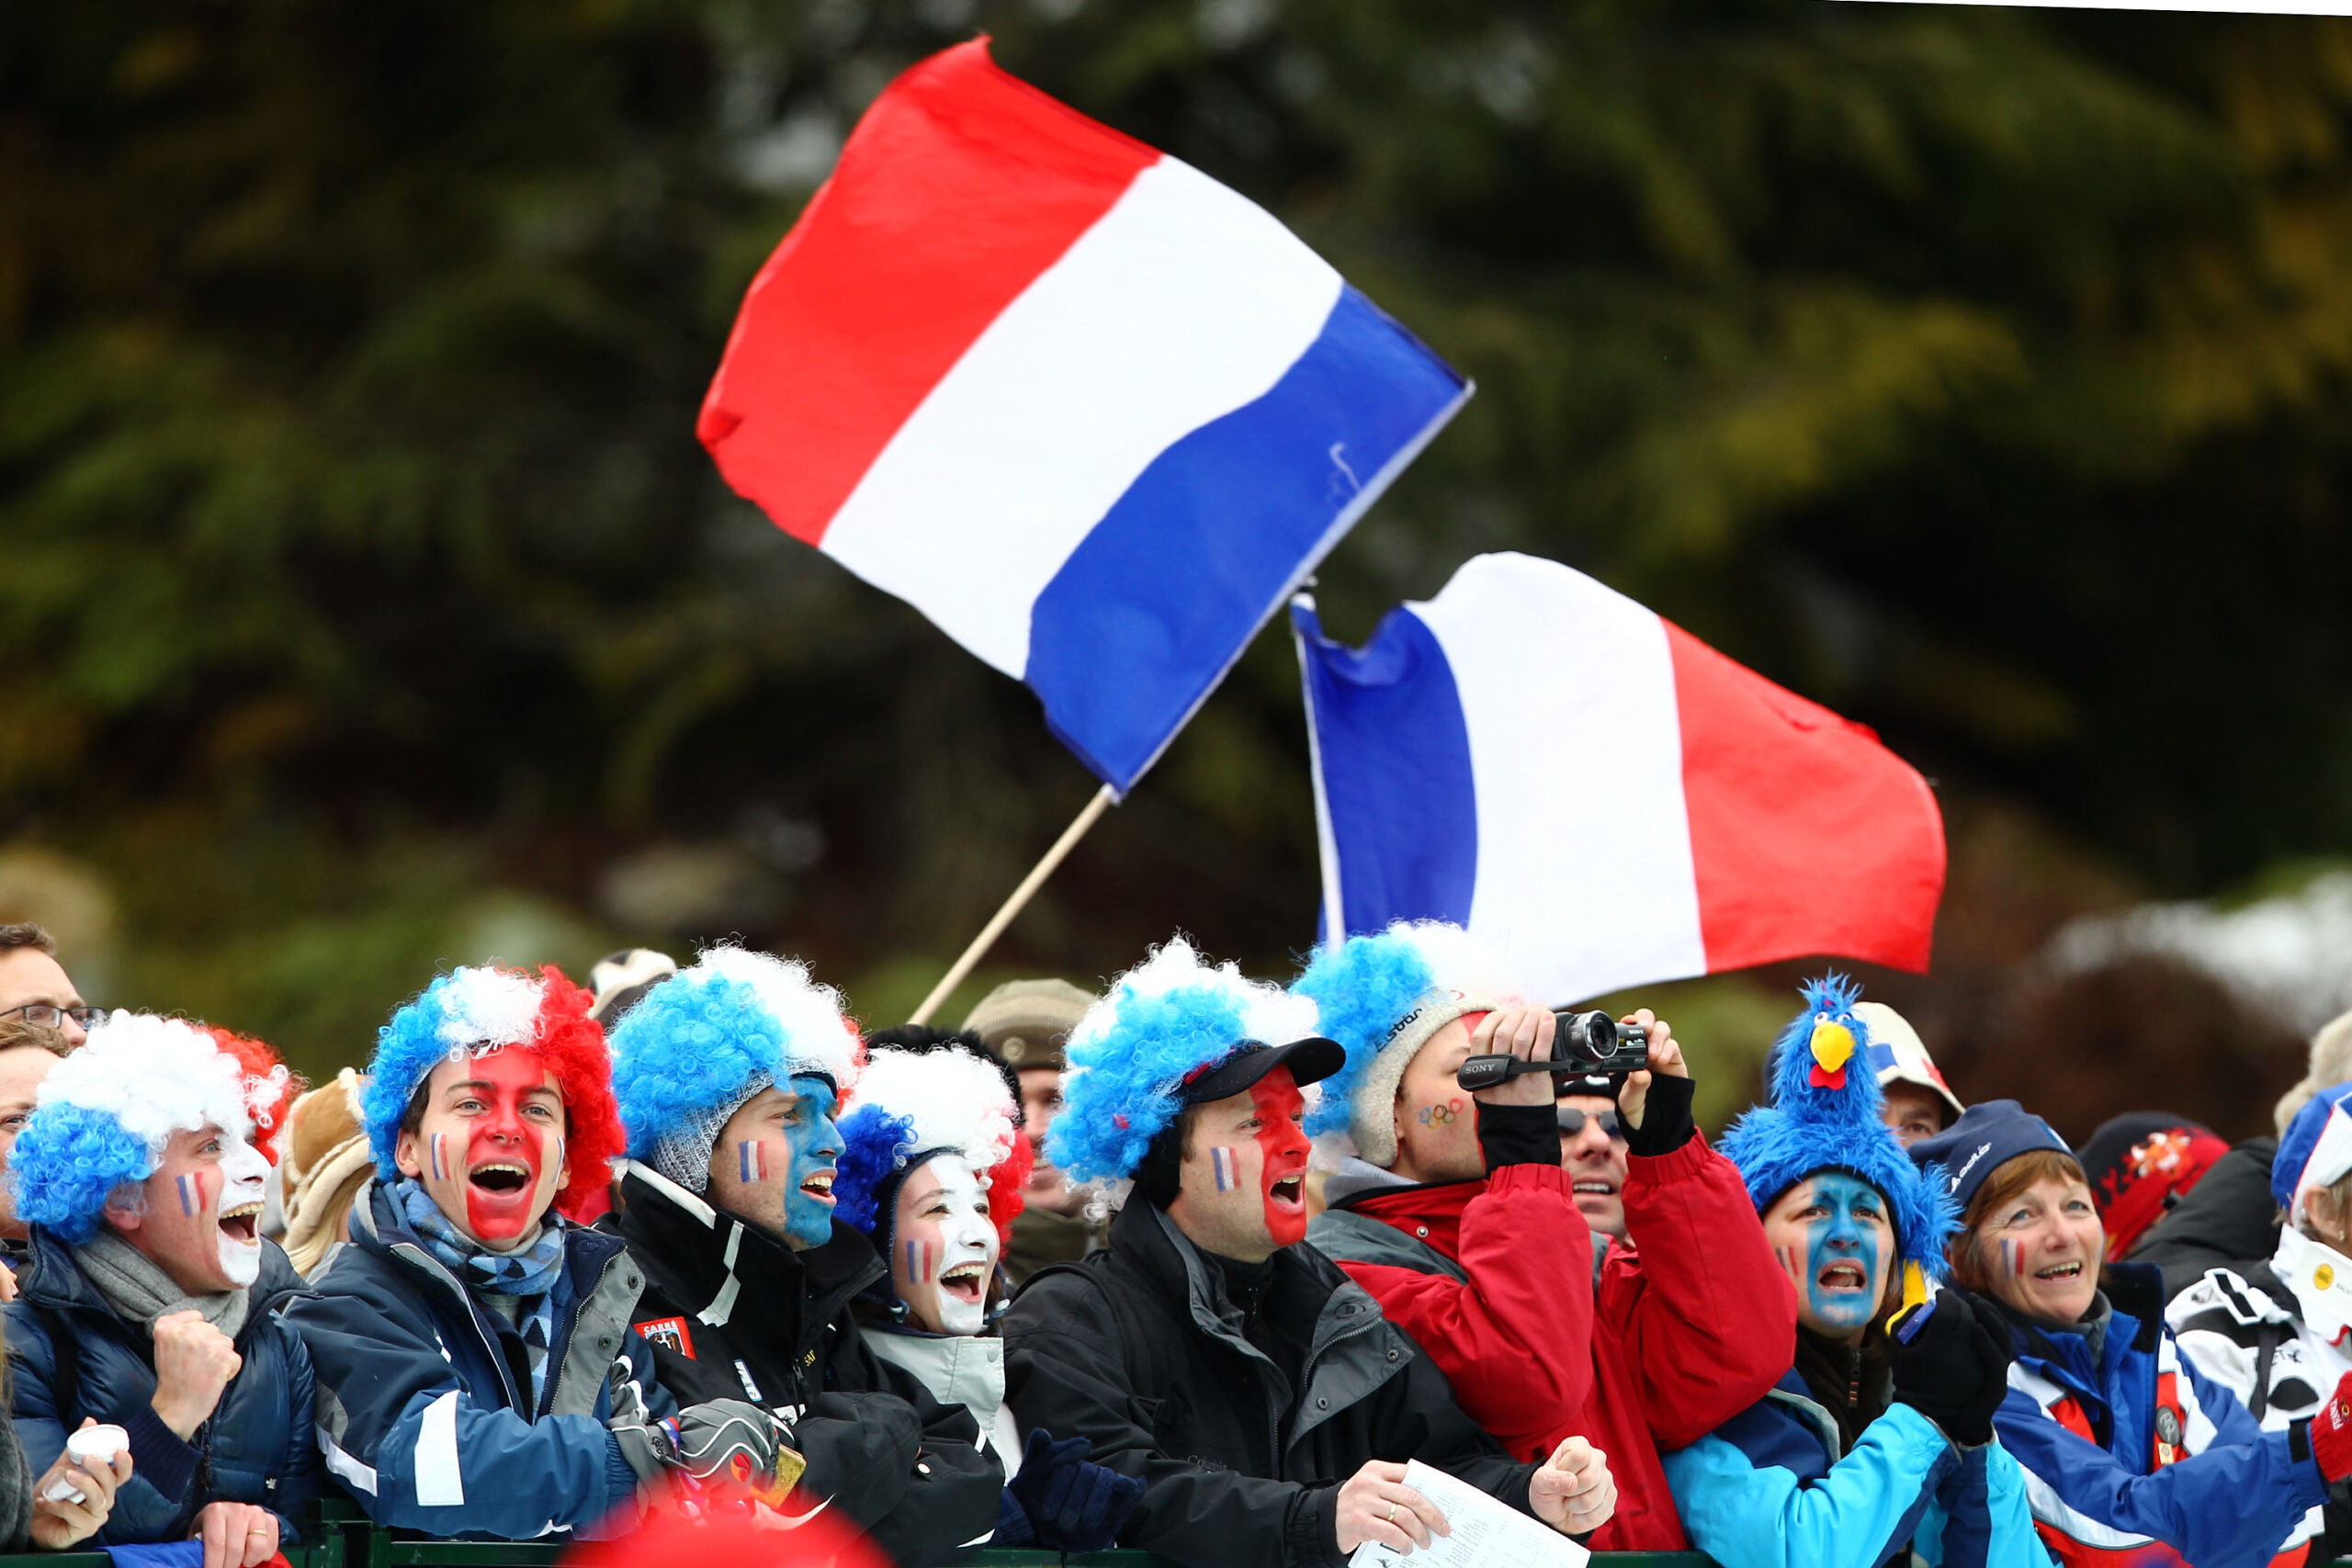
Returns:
<point x="501" y="1176"/>
<point x="967" y="1282"/>
<point x="1289" y="1190"/>
<point x="1594" y="1190"/>
<point x="242" y="1223"/>
<point x="1842" y="1277"/>
<point x="2061" y="1271"/>
<point x="818" y="1186"/>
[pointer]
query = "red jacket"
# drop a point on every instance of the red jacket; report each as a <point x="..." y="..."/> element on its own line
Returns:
<point x="1695" y="1320"/>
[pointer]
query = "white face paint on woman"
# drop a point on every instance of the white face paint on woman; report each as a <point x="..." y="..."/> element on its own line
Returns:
<point x="945" y="1249"/>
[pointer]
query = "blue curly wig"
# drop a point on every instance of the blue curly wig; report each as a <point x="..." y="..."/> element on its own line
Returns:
<point x="1826" y="1118"/>
<point x="408" y="1048"/>
<point x="873" y="1143"/>
<point x="688" y="1050"/>
<point x="1120" y="1093"/>
<point x="1363" y="990"/>
<point x="67" y="1161"/>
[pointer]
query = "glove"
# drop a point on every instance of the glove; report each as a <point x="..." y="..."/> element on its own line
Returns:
<point x="725" y="1438"/>
<point x="1066" y="1504"/>
<point x="2332" y="1433"/>
<point x="643" y="1443"/>
<point x="1955" y="1369"/>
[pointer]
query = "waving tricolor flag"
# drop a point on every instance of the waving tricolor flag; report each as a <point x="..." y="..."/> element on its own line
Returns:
<point x="1090" y="412"/>
<point x="1600" y="795"/>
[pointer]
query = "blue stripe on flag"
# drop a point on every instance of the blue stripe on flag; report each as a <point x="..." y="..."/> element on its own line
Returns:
<point x="1156" y="603"/>
<point x="1393" y="751"/>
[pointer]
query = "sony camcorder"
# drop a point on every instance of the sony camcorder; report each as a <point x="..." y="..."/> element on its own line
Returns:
<point x="1582" y="1043"/>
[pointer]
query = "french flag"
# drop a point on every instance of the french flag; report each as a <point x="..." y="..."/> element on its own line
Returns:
<point x="1600" y="795"/>
<point x="1091" y="412"/>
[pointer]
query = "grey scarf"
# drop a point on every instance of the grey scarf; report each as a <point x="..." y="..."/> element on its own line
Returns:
<point x="139" y="1292"/>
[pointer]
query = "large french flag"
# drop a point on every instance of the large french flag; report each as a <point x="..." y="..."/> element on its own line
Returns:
<point x="1601" y="796"/>
<point x="1094" y="414"/>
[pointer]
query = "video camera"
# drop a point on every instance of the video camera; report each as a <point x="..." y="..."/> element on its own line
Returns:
<point x="1582" y="1043"/>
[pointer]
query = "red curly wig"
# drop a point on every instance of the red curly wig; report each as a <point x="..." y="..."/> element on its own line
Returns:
<point x="572" y="1045"/>
<point x="270" y="1088"/>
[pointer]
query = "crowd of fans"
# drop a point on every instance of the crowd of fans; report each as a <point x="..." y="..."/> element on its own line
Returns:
<point x="1198" y="1266"/>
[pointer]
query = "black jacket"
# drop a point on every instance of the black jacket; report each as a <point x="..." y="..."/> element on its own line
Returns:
<point x="1138" y="1350"/>
<point x="775" y="1327"/>
<point x="2228" y="1220"/>
<point x="71" y="1355"/>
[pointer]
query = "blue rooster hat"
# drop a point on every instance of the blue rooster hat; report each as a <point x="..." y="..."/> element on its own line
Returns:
<point x="1825" y="1116"/>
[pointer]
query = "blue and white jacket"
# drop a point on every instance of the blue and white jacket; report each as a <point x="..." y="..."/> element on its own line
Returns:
<point x="423" y="1412"/>
<point x="2133" y="1458"/>
<point x="1770" y="1489"/>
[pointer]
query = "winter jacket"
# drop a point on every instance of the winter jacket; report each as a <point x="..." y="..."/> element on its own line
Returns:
<point x="425" y="1412"/>
<point x="733" y="1313"/>
<point x="1491" y="1277"/>
<point x="2132" y="1456"/>
<point x="1137" y="1349"/>
<point x="2279" y="1351"/>
<point x="958" y="1368"/>
<point x="70" y="1356"/>
<point x="2227" y="1219"/>
<point x="1771" y="1489"/>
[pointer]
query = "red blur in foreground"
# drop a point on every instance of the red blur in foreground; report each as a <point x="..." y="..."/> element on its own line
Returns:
<point x="691" y="1530"/>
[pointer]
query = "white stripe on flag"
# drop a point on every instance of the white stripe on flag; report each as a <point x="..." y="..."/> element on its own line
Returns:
<point x="1568" y="692"/>
<point x="1183" y="303"/>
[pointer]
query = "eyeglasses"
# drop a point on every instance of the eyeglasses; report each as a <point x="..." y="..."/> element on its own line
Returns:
<point x="1572" y="1123"/>
<point x="50" y="1017"/>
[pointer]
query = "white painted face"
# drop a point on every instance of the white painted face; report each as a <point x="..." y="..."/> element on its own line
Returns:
<point x="245" y="1176"/>
<point x="945" y="1249"/>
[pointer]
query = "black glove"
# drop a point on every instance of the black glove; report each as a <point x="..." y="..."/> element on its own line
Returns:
<point x="1666" y="1123"/>
<point x="712" y="1437"/>
<point x="1060" y="1501"/>
<point x="1518" y="1134"/>
<point x="1955" y="1368"/>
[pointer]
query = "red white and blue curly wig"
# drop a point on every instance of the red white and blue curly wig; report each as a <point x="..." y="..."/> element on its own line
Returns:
<point x="475" y="1010"/>
<point x="105" y="1113"/>
<point x="1824" y="1115"/>
<point x="913" y="1105"/>
<point x="1163" y="1023"/>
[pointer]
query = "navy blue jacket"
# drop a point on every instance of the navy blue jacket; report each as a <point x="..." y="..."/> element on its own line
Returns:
<point x="423" y="1407"/>
<point x="255" y="1447"/>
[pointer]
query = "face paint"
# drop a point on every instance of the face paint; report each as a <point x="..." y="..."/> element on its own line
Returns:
<point x="192" y="1193"/>
<point x="942" y="1223"/>
<point x="1832" y="1238"/>
<point x="1224" y="1168"/>
<point x="509" y="1142"/>
<point x="439" y="1145"/>
<point x="751" y="1162"/>
<point x="244" y="1173"/>
<point x="1284" y="1144"/>
<point x="1444" y="1115"/>
<point x="2012" y="1256"/>
<point x="814" y="1144"/>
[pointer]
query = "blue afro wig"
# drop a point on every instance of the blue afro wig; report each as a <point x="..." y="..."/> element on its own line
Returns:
<point x="1363" y="990"/>
<point x="66" y="1162"/>
<point x="1825" y="1116"/>
<point x="873" y="1143"/>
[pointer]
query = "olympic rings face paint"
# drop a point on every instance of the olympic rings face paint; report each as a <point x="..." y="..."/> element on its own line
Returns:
<point x="1444" y="1115"/>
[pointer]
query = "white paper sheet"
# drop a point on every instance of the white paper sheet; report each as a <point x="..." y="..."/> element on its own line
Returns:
<point x="1487" y="1534"/>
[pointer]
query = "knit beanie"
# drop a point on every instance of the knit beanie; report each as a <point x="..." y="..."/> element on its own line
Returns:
<point x="2137" y="1163"/>
<point x="700" y="1043"/>
<point x="1382" y="996"/>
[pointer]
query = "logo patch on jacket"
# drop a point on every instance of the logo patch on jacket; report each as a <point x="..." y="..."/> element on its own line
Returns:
<point x="669" y="1331"/>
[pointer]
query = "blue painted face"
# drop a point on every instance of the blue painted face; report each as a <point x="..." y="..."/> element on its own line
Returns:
<point x="1834" y="1241"/>
<point x="815" y="1144"/>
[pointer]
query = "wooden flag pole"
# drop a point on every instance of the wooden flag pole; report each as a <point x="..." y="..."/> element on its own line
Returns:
<point x="1101" y="802"/>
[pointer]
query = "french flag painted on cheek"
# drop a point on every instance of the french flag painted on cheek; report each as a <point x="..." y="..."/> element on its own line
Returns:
<point x="1601" y="797"/>
<point x="1094" y="414"/>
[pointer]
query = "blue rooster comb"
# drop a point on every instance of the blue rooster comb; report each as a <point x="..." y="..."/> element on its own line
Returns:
<point x="1825" y="1116"/>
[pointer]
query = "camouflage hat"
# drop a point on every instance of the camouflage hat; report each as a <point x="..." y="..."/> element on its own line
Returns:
<point x="1024" y="1022"/>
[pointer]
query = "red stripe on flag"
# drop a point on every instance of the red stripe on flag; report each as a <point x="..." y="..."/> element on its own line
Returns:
<point x="959" y="186"/>
<point x="1807" y="836"/>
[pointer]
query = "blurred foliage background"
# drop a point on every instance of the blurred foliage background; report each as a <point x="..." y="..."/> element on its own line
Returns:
<point x="365" y="604"/>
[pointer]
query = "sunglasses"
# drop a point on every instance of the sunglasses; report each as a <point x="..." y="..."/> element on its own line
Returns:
<point x="48" y="1017"/>
<point x="1572" y="1122"/>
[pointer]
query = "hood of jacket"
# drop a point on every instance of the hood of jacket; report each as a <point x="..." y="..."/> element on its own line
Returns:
<point x="958" y="1368"/>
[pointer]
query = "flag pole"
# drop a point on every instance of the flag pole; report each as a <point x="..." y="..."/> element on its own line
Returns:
<point x="1104" y="800"/>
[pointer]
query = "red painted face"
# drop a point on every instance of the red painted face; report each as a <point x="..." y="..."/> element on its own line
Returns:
<point x="1283" y="1144"/>
<point x="516" y="1126"/>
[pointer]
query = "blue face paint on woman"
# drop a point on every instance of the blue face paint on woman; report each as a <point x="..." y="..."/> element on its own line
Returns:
<point x="1832" y="1234"/>
<point x="815" y="1143"/>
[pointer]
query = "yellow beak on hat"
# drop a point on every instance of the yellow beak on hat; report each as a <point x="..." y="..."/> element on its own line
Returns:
<point x="1833" y="1045"/>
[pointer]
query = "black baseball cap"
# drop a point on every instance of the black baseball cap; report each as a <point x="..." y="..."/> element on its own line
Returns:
<point x="1310" y="1060"/>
